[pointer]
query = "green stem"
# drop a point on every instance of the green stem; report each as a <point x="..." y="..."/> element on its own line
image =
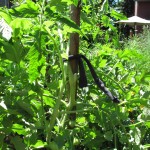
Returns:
<point x="56" y="47"/>
<point x="41" y="23"/>
<point x="115" y="138"/>
<point x="55" y="114"/>
<point x="112" y="80"/>
<point x="113" y="67"/>
<point x="78" y="111"/>
<point x="72" y="95"/>
<point x="72" y="82"/>
<point x="62" y="87"/>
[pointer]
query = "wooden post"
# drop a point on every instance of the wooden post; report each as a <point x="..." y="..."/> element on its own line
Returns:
<point x="74" y="50"/>
<point x="74" y="37"/>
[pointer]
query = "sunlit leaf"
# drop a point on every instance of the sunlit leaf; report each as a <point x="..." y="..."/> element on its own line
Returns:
<point x="28" y="10"/>
<point x="20" y="25"/>
<point x="5" y="30"/>
<point x="75" y="2"/>
<point x="17" y="128"/>
<point x="146" y="146"/>
<point x="64" y="56"/>
<point x="3" y="105"/>
<point x="34" y="61"/>
<point x="81" y="120"/>
<point x="39" y="144"/>
<point x="84" y="1"/>
<point x="47" y="97"/>
<point x="105" y="6"/>
<point x="103" y="63"/>
<point x="117" y="15"/>
<point x="92" y="134"/>
<point x="7" y="17"/>
<point x="36" y="104"/>
<point x="105" y="20"/>
<point x="69" y="2"/>
<point x="92" y="118"/>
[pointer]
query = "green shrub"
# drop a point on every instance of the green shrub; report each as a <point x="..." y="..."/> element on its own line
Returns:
<point x="141" y="45"/>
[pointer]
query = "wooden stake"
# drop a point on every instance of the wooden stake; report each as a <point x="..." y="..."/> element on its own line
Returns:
<point x="74" y="37"/>
<point x="74" y="50"/>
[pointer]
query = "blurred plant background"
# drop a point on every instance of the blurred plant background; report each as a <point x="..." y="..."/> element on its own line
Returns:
<point x="140" y="44"/>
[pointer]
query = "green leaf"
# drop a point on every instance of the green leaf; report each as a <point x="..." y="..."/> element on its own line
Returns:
<point x="69" y="2"/>
<point x="21" y="25"/>
<point x="48" y="101"/>
<point x="127" y="54"/>
<point x="92" y="134"/>
<point x="14" y="52"/>
<point x="106" y="36"/>
<point x="108" y="135"/>
<point x="17" y="128"/>
<point x="117" y="15"/>
<point x="146" y="146"/>
<point x="33" y="57"/>
<point x="36" y="104"/>
<point x="61" y="18"/>
<point x="146" y="94"/>
<point x="84" y="1"/>
<point x="136" y="133"/>
<point x="103" y="63"/>
<point x="75" y="2"/>
<point x="2" y="136"/>
<point x="5" y="15"/>
<point x="68" y="22"/>
<point x="146" y="78"/>
<point x="26" y="10"/>
<point x="64" y="56"/>
<point x="39" y="144"/>
<point x="92" y="118"/>
<point x="48" y="12"/>
<point x="105" y="7"/>
<point x="53" y="146"/>
<point x="81" y="120"/>
<point x="18" y="143"/>
<point x="26" y="107"/>
<point x="105" y="20"/>
<point x="59" y="5"/>
<point x="85" y="18"/>
<point x="47" y="97"/>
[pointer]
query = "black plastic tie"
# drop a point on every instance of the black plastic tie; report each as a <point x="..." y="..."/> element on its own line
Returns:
<point x="83" y="78"/>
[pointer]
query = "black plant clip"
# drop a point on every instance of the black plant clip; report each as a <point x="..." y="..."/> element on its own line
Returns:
<point x="83" y="78"/>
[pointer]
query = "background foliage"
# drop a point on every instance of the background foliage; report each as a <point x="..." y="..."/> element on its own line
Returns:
<point x="34" y="104"/>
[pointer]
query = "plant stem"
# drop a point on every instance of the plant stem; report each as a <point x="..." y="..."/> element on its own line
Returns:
<point x="55" y="114"/>
<point x="62" y="87"/>
<point x="112" y="80"/>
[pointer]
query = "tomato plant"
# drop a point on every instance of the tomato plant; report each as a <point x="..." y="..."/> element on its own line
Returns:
<point x="36" y="84"/>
